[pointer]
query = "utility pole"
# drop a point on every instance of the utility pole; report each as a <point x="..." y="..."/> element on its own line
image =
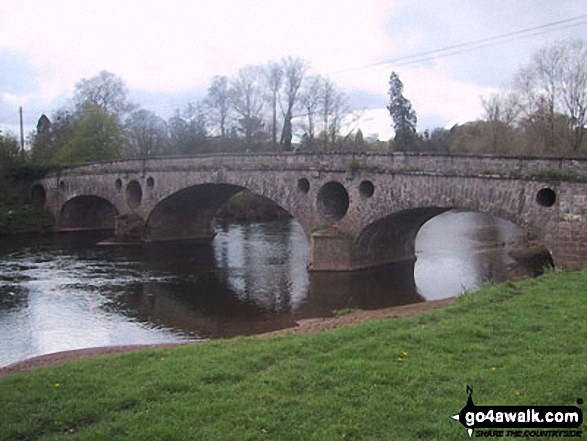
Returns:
<point x="21" y="130"/>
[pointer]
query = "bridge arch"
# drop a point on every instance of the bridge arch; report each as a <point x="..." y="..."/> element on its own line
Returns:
<point x="87" y="212"/>
<point x="392" y="238"/>
<point x="189" y="213"/>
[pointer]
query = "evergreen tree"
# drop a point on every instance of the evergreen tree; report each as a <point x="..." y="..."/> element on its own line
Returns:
<point x="404" y="118"/>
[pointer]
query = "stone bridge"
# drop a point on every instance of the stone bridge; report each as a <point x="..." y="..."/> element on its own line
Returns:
<point x="358" y="209"/>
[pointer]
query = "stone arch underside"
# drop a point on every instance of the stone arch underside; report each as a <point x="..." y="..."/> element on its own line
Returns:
<point x="87" y="213"/>
<point x="189" y="213"/>
<point x="392" y="238"/>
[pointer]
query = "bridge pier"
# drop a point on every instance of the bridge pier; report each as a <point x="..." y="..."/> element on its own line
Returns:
<point x="330" y="250"/>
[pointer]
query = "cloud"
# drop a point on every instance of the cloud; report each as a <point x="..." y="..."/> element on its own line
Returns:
<point x="179" y="45"/>
<point x="172" y="49"/>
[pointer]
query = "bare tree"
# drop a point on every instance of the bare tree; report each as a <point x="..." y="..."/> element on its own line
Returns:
<point x="147" y="133"/>
<point x="327" y="100"/>
<point x="574" y="90"/>
<point x="294" y="70"/>
<point x="553" y="87"/>
<point x="188" y="130"/>
<point x="105" y="90"/>
<point x="310" y="99"/>
<point x="218" y="102"/>
<point x="246" y="95"/>
<point x="339" y="110"/>
<point x="501" y="113"/>
<point x="274" y="82"/>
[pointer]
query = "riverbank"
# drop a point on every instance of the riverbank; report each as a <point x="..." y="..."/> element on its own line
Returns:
<point x="25" y="220"/>
<point x="400" y="378"/>
<point x="304" y="326"/>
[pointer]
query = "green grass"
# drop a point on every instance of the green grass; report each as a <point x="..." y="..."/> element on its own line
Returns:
<point x="515" y="343"/>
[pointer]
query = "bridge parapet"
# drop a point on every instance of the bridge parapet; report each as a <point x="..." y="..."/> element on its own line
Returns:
<point x="574" y="169"/>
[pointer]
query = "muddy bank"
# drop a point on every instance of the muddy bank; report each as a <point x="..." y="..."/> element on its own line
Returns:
<point x="303" y="326"/>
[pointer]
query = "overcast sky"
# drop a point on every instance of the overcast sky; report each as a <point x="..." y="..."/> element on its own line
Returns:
<point x="167" y="51"/>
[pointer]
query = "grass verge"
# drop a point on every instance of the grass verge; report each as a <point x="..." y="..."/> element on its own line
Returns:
<point x="514" y="343"/>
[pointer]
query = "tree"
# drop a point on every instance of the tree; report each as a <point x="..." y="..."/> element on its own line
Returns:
<point x="274" y="81"/>
<point x="246" y="94"/>
<point x="293" y="71"/>
<point x="310" y="99"/>
<point x="339" y="110"/>
<point x="404" y="118"/>
<point x="97" y="136"/>
<point x="501" y="113"/>
<point x="11" y="158"/>
<point x="574" y="90"/>
<point x="328" y="94"/>
<point x="105" y="90"/>
<point x="188" y="131"/>
<point x="147" y="133"/>
<point x="218" y="102"/>
<point x="51" y="136"/>
<point x="553" y="89"/>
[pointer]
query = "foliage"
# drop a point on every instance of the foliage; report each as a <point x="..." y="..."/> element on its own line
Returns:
<point x="400" y="378"/>
<point x="404" y="118"/>
<point x="50" y="137"/>
<point x="24" y="220"/>
<point x="10" y="154"/>
<point x="97" y="136"/>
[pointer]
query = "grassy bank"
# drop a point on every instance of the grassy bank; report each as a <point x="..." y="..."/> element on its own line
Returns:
<point x="515" y="343"/>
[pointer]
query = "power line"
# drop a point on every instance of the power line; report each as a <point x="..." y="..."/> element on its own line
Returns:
<point x="476" y="44"/>
<point x="481" y="46"/>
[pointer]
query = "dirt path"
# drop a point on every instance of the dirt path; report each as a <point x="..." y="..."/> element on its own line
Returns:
<point x="304" y="326"/>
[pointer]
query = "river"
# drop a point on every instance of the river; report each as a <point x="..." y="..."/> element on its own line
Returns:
<point x="64" y="292"/>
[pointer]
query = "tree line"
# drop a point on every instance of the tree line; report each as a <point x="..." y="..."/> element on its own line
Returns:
<point x="543" y="111"/>
<point x="254" y="110"/>
<point x="279" y="107"/>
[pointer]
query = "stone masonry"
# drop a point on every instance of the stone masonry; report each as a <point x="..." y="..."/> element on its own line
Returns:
<point x="358" y="210"/>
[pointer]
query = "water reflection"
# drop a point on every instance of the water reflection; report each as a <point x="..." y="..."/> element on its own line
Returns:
<point x="458" y="251"/>
<point x="63" y="292"/>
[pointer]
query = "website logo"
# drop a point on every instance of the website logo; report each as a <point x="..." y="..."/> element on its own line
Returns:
<point x="553" y="421"/>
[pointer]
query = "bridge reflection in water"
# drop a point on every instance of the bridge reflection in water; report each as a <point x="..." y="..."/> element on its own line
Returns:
<point x="65" y="293"/>
<point x="253" y="278"/>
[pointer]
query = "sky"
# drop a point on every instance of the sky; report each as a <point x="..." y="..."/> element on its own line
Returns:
<point x="167" y="51"/>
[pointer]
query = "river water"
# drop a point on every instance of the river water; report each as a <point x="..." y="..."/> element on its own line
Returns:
<point x="63" y="292"/>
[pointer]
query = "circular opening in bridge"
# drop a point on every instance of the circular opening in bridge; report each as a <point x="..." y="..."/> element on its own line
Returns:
<point x="38" y="195"/>
<point x="134" y="194"/>
<point x="333" y="201"/>
<point x="62" y="185"/>
<point x="546" y="197"/>
<point x="150" y="182"/>
<point x="366" y="188"/>
<point x="303" y="185"/>
<point x="118" y="184"/>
